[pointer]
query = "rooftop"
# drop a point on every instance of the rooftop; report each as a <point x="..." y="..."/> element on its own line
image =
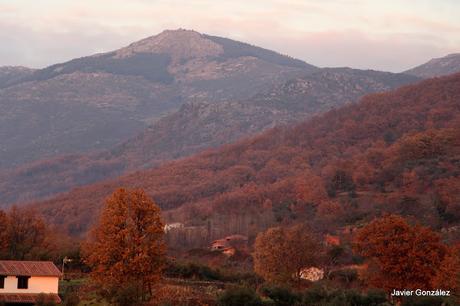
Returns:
<point x="26" y="298"/>
<point x="28" y="268"/>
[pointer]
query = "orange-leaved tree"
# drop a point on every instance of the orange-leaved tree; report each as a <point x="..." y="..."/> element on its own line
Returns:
<point x="281" y="253"/>
<point x="448" y="275"/>
<point x="400" y="255"/>
<point x="126" y="247"/>
<point x="3" y="233"/>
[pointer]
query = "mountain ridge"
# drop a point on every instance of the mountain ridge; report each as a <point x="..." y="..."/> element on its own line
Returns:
<point x="197" y="126"/>
<point x="135" y="90"/>
<point x="436" y="67"/>
<point x="11" y="74"/>
<point x="372" y="143"/>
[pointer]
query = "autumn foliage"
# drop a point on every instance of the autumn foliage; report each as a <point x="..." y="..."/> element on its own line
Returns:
<point x="23" y="235"/>
<point x="399" y="255"/>
<point x="126" y="246"/>
<point x="448" y="274"/>
<point x="391" y="152"/>
<point x="281" y="253"/>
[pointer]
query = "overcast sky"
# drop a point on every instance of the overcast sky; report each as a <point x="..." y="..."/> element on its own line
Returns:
<point x="391" y="35"/>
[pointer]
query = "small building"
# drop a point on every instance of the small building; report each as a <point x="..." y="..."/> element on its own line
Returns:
<point x="312" y="274"/>
<point x="331" y="240"/>
<point x="172" y="226"/>
<point x="219" y="245"/>
<point x="238" y="242"/>
<point x="23" y="282"/>
<point x="230" y="251"/>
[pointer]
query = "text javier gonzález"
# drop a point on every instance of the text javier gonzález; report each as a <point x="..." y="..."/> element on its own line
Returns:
<point x="420" y="292"/>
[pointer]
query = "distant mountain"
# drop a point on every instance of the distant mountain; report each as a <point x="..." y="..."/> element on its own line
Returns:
<point x="392" y="152"/>
<point x="97" y="101"/>
<point x="437" y="67"/>
<point x="12" y="74"/>
<point x="198" y="126"/>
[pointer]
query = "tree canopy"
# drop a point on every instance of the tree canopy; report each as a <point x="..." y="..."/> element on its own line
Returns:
<point x="126" y="246"/>
<point x="22" y="234"/>
<point x="400" y="255"/>
<point x="281" y="253"/>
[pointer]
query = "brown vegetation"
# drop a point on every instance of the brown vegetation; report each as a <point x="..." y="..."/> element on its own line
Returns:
<point x="400" y="256"/>
<point x="281" y="254"/>
<point x="22" y="235"/>
<point x="391" y="152"/>
<point x="126" y="247"/>
<point x="448" y="274"/>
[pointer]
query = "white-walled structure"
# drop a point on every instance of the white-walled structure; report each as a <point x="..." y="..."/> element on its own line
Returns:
<point x="23" y="281"/>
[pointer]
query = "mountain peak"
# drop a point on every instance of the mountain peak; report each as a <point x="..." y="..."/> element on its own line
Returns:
<point x="180" y="44"/>
<point x="179" y="31"/>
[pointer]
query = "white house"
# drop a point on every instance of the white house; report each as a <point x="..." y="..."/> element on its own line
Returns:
<point x="21" y="282"/>
<point x="171" y="226"/>
<point x="312" y="274"/>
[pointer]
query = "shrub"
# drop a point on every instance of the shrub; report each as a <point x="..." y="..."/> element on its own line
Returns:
<point x="345" y="275"/>
<point x="375" y="297"/>
<point x="424" y="301"/>
<point x="125" y="295"/>
<point x="239" y="296"/>
<point x="193" y="270"/>
<point x="282" y="296"/>
<point x="249" y="279"/>
<point x="203" y="272"/>
<point x="320" y="296"/>
<point x="71" y="299"/>
<point x="354" y="298"/>
<point x="45" y="300"/>
<point x="314" y="295"/>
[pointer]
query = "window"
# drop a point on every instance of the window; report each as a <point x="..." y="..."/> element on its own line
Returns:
<point x="23" y="282"/>
<point x="2" y="281"/>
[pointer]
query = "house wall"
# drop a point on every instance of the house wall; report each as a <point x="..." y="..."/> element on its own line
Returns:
<point x="37" y="284"/>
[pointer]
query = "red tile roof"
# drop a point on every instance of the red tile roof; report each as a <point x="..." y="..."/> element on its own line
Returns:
<point x="332" y="240"/>
<point x="28" y="268"/>
<point x="27" y="298"/>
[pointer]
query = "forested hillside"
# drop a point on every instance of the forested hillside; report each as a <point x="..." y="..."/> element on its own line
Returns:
<point x="393" y="152"/>
<point x="11" y="74"/>
<point x="196" y="126"/>
<point x="230" y="153"/>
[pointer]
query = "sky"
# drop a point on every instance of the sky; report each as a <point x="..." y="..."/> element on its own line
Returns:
<point x="391" y="35"/>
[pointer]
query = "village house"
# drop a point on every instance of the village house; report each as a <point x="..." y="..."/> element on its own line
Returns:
<point x="230" y="251"/>
<point x="230" y="244"/>
<point x="331" y="240"/>
<point x="171" y="226"/>
<point x="312" y="274"/>
<point x="23" y="282"/>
